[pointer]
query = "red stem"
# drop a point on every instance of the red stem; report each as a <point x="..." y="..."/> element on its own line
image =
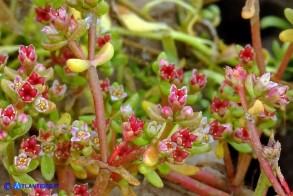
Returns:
<point x="99" y="123"/>
<point x="284" y="62"/>
<point x="256" y="39"/>
<point x="210" y="179"/>
<point x="242" y="167"/>
<point x="130" y="157"/>
<point x="66" y="179"/>
<point x="194" y="185"/>
<point x="77" y="51"/>
<point x="228" y="163"/>
<point x="256" y="145"/>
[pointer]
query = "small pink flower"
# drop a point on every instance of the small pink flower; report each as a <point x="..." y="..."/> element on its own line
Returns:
<point x="79" y="133"/>
<point x="166" y="146"/>
<point x="41" y="105"/>
<point x="247" y="54"/>
<point x="81" y="190"/>
<point x="197" y="81"/>
<point x="117" y="93"/>
<point x="102" y="40"/>
<point x="178" y="97"/>
<point x="27" y="93"/>
<point x="40" y="192"/>
<point x="63" y="150"/>
<point x="57" y="89"/>
<point x="17" y="83"/>
<point x="30" y="147"/>
<point x="219" y="107"/>
<point x="8" y="115"/>
<point x="43" y="14"/>
<point x="45" y="136"/>
<point x="22" y="162"/>
<point x="167" y="71"/>
<point x="48" y="149"/>
<point x="278" y="95"/>
<point x="34" y="79"/>
<point x="179" y="155"/>
<point x="132" y="128"/>
<point x="216" y="130"/>
<point x="183" y="138"/>
<point x="27" y="55"/>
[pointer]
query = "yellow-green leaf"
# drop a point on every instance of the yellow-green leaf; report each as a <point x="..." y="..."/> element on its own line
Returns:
<point x="219" y="151"/>
<point x="286" y="35"/>
<point x="184" y="169"/>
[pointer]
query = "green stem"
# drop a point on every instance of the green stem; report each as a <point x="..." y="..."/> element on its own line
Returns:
<point x="284" y="62"/>
<point x="262" y="185"/>
<point x="134" y="9"/>
<point x="197" y="43"/>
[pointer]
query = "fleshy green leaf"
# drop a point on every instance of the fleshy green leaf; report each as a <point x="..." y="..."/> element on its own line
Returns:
<point x="33" y="165"/>
<point x="154" y="179"/>
<point x="165" y="87"/>
<point x="184" y="169"/>
<point x="163" y="168"/>
<point x="24" y="179"/>
<point x="23" y="129"/>
<point x="241" y="147"/>
<point x="274" y="21"/>
<point x="47" y="167"/>
<point x="141" y="141"/>
<point x="289" y="14"/>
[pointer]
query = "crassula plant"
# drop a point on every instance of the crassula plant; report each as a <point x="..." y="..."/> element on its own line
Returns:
<point x="68" y="116"/>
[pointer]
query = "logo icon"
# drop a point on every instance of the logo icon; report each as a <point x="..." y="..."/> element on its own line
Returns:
<point x="17" y="185"/>
<point x="7" y="186"/>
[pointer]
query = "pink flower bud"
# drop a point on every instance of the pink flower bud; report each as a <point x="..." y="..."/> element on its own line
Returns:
<point x="166" y="112"/>
<point x="236" y="76"/>
<point x="3" y="135"/>
<point x="178" y="97"/>
<point x="27" y="55"/>
<point x="126" y="112"/>
<point x="242" y="135"/>
<point x="102" y="40"/>
<point x="22" y="118"/>
<point x="132" y="128"/>
<point x="187" y="112"/>
<point x="183" y="137"/>
<point x="197" y="81"/>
